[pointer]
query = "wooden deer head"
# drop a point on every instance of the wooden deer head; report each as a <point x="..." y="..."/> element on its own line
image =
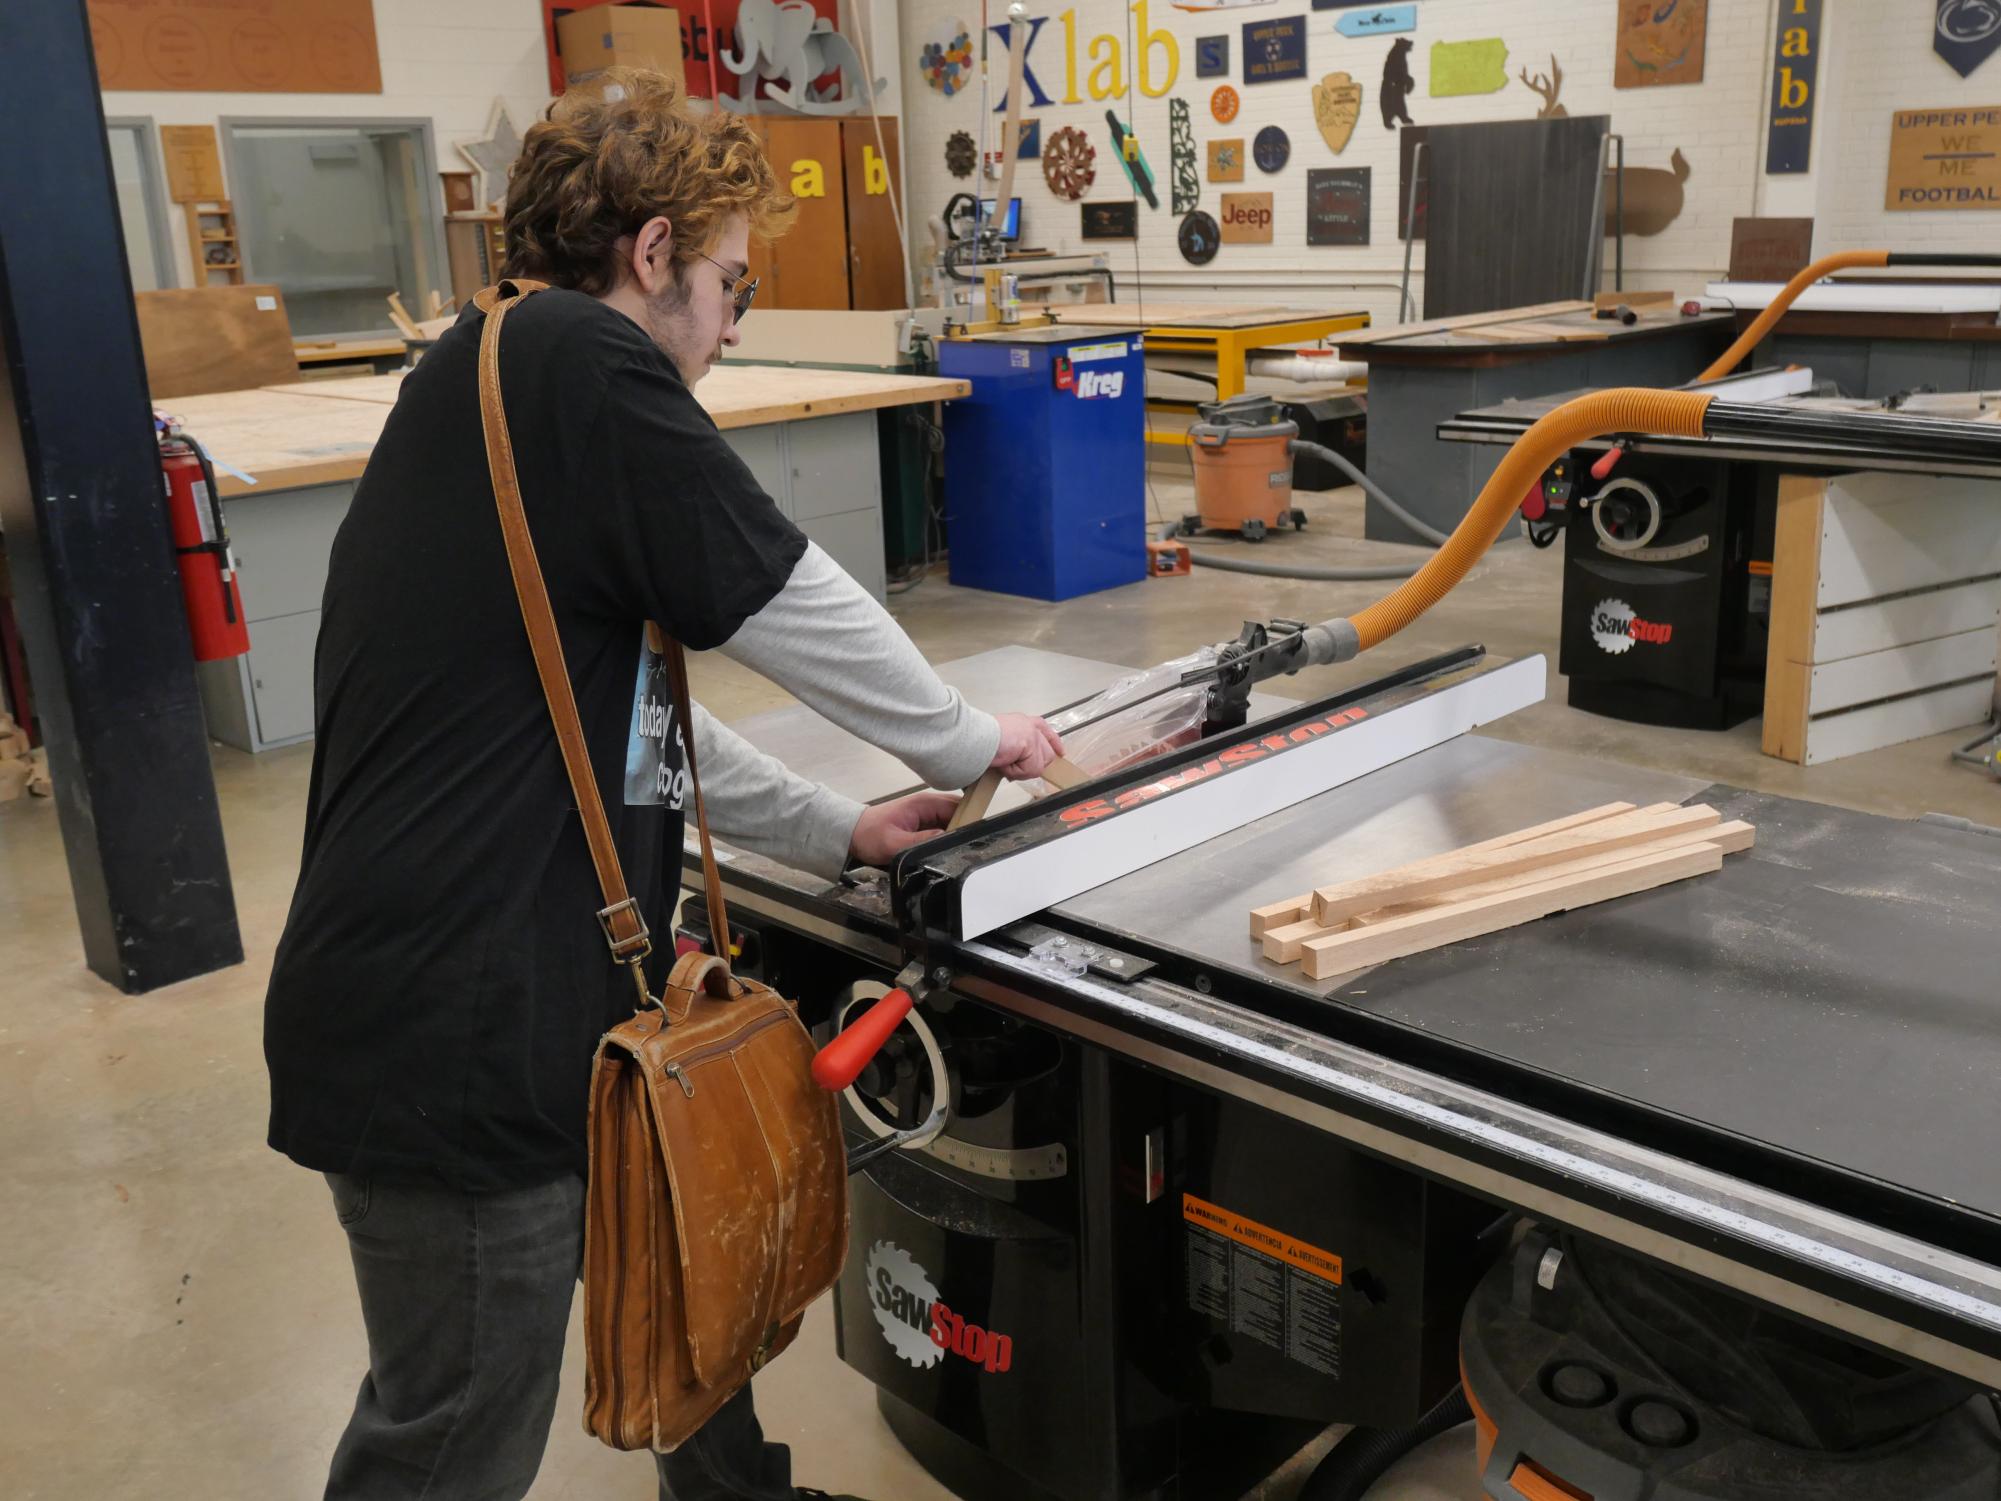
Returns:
<point x="1548" y="88"/>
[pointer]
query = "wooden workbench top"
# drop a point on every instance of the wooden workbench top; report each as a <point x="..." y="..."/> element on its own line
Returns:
<point x="320" y="432"/>
<point x="1222" y="315"/>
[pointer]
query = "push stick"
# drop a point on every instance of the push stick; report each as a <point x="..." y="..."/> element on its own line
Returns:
<point x="1061" y="773"/>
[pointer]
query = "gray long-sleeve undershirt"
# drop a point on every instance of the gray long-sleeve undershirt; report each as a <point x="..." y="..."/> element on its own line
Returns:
<point x="828" y="643"/>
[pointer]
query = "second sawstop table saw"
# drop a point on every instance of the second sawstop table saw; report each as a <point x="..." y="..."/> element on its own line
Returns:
<point x="1697" y="1187"/>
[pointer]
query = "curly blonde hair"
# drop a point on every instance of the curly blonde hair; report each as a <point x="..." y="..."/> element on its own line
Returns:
<point x="613" y="154"/>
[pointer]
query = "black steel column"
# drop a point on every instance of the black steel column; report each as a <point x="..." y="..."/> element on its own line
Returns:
<point x="80" y="498"/>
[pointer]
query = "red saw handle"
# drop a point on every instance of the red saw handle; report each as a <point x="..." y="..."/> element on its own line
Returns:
<point x="837" y="1065"/>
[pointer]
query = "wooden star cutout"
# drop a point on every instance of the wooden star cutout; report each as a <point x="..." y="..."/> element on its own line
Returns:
<point x="493" y="156"/>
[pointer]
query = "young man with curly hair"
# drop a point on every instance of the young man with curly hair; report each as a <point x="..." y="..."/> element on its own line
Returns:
<point x="442" y="981"/>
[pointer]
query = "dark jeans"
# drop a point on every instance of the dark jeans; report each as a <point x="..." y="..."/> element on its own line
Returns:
<point x="467" y="1299"/>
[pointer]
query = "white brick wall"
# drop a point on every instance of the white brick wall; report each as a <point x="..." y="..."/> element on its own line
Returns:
<point x="1718" y="125"/>
<point x="1883" y="62"/>
<point x="445" y="61"/>
<point x="442" y="60"/>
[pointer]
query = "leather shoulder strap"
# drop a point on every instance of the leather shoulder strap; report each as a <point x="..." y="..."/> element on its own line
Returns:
<point x="625" y="930"/>
<point x="712" y="880"/>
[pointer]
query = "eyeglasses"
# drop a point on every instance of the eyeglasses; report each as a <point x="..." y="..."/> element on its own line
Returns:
<point x="742" y="289"/>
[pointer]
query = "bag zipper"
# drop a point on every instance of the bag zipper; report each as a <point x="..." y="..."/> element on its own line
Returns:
<point x="716" y="1049"/>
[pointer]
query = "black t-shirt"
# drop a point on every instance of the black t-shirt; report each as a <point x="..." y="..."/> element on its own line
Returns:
<point x="443" y="980"/>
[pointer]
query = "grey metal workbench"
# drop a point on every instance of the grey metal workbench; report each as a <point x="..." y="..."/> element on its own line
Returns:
<point x="1417" y="382"/>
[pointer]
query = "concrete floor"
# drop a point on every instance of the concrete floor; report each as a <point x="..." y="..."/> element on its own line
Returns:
<point x="175" y="1300"/>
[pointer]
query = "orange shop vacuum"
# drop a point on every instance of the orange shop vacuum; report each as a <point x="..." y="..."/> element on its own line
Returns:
<point x="1241" y="450"/>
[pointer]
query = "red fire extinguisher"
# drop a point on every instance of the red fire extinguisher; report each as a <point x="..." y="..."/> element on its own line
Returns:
<point x="201" y="550"/>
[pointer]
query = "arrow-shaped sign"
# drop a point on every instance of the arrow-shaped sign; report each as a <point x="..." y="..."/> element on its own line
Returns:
<point x="1377" y="20"/>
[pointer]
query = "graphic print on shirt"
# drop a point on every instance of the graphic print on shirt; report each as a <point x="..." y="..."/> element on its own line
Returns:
<point x="655" y="768"/>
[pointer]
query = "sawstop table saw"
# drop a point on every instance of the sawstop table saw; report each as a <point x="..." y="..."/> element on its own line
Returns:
<point x="1697" y="1189"/>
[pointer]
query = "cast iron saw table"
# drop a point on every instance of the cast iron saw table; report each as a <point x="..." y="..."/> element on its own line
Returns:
<point x="1778" y="1078"/>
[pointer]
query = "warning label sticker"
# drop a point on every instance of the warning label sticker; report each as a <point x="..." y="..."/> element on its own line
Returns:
<point x="1261" y="1282"/>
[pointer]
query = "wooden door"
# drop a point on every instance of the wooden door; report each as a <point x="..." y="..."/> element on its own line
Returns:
<point x="875" y="263"/>
<point x="807" y="266"/>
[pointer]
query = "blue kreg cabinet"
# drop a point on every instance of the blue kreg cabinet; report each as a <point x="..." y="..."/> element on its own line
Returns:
<point x="1045" y="463"/>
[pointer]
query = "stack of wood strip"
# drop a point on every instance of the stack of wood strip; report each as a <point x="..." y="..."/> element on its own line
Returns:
<point x="1603" y="852"/>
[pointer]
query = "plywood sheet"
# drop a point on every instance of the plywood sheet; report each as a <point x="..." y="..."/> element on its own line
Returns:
<point x="282" y="440"/>
<point x="316" y="432"/>
<point x="746" y="395"/>
<point x="215" y="339"/>
<point x="381" y="389"/>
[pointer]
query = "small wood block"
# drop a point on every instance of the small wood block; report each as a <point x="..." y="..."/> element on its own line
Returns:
<point x="1341" y="953"/>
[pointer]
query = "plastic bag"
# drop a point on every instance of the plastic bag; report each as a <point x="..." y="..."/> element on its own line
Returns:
<point x="1146" y="730"/>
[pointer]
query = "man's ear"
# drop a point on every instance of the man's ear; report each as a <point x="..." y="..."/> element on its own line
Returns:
<point x="653" y="254"/>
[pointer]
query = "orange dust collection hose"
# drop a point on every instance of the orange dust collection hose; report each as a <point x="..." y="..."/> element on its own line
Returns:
<point x="1620" y="410"/>
<point x="1673" y="413"/>
<point x="1761" y="325"/>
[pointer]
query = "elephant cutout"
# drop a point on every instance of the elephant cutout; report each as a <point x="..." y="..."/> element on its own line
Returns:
<point x="787" y="45"/>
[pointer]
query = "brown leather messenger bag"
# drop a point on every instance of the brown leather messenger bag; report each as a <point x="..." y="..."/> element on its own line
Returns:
<point x="718" y="1200"/>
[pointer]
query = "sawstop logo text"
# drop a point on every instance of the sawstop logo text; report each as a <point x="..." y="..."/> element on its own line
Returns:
<point x="919" y="1327"/>
<point x="1615" y="627"/>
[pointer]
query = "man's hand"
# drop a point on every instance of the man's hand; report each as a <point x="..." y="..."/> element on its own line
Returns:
<point x="1027" y="745"/>
<point x="887" y="829"/>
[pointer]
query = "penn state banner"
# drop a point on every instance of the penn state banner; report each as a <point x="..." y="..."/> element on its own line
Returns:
<point x="1966" y="32"/>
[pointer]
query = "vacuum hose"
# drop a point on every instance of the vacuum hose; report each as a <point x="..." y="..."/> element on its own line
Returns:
<point x="1620" y="410"/>
<point x="1761" y="325"/>
<point x="1360" y="1458"/>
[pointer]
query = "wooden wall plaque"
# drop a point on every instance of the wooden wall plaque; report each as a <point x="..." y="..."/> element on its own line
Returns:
<point x="1945" y="158"/>
<point x="194" y="165"/>
<point x="237" y="46"/>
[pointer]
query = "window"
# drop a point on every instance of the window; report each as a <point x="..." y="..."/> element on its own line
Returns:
<point x="339" y="214"/>
<point x="142" y="206"/>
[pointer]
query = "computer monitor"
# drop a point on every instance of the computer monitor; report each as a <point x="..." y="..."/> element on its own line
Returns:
<point x="1011" y="228"/>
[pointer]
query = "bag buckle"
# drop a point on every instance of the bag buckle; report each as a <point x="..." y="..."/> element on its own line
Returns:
<point x="639" y="944"/>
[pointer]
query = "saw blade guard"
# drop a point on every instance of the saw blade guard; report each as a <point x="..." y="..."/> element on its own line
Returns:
<point x="1120" y="739"/>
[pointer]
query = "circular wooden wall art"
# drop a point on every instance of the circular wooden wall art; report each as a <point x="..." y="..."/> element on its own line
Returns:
<point x="1223" y="104"/>
<point x="1068" y="163"/>
<point x="962" y="154"/>
<point x="1199" y="238"/>
<point x="1272" y="149"/>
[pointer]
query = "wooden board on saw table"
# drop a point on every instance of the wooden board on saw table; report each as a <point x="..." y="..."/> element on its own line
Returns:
<point x="1611" y="850"/>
